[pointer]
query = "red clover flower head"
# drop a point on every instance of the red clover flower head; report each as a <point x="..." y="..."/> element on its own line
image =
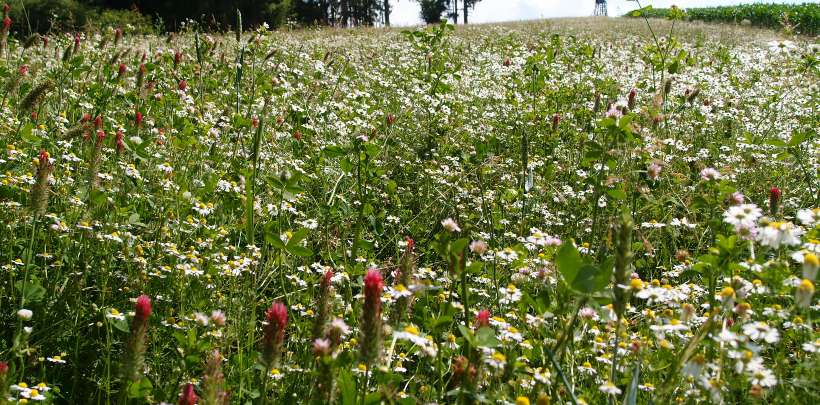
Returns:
<point x="143" y="308"/>
<point x="188" y="396"/>
<point x="482" y="318"/>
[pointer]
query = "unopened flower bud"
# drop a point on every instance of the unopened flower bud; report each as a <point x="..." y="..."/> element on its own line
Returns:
<point x="450" y="225"/>
<point x="25" y="314"/>
<point x="653" y="171"/>
<point x="737" y="198"/>
<point x="810" y="265"/>
<point x="273" y="340"/>
<point x="188" y="396"/>
<point x="321" y="347"/>
<point x="630" y="102"/>
<point x="774" y="200"/>
<point x="804" y="293"/>
<point x="478" y="247"/>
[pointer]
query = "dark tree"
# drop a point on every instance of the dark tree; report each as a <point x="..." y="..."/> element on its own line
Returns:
<point x="432" y="10"/>
<point x="386" y="12"/>
<point x="468" y="4"/>
<point x="212" y="14"/>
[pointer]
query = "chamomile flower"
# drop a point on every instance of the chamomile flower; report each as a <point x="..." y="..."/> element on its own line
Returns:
<point x="114" y="314"/>
<point x="809" y="217"/>
<point x="776" y="234"/>
<point x="609" y="388"/>
<point x="742" y="215"/>
<point x="761" y="331"/>
<point x="509" y="294"/>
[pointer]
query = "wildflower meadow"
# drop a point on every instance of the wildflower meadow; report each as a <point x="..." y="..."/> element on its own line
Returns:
<point x="573" y="211"/>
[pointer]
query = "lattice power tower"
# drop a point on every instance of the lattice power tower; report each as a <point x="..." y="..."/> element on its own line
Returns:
<point x="600" y="8"/>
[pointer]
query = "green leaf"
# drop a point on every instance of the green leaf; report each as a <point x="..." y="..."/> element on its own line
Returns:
<point x="775" y="142"/>
<point x="373" y="398"/>
<point x="625" y="121"/>
<point x="346" y="165"/>
<point x="274" y="240"/>
<point x="475" y="267"/>
<point x="591" y="279"/>
<point x="568" y="260"/>
<point x="97" y="198"/>
<point x="457" y="246"/>
<point x="32" y="291"/>
<point x="120" y="324"/>
<point x="638" y="12"/>
<point x="298" y="236"/>
<point x="347" y="388"/>
<point x="28" y="136"/>
<point x="727" y="244"/>
<point x="391" y="187"/>
<point x="299" y="250"/>
<point x="140" y="389"/>
<point x="485" y="337"/>
<point x="584" y="278"/>
<point x="797" y="138"/>
<point x="467" y="334"/>
<point x="440" y="321"/>
<point x="616" y="193"/>
<point x="632" y="392"/>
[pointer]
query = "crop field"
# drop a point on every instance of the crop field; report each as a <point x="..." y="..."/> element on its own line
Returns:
<point x="576" y="211"/>
<point x="803" y="18"/>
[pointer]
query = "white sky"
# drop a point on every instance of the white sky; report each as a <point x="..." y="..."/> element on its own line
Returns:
<point x="406" y="12"/>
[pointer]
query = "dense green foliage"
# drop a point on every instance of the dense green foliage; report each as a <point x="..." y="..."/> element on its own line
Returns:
<point x="801" y="18"/>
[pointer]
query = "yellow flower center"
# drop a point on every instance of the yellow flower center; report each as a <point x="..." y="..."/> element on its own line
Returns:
<point x="522" y="401"/>
<point x="811" y="259"/>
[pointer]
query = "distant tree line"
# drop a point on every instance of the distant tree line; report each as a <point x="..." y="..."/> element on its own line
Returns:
<point x="168" y="15"/>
